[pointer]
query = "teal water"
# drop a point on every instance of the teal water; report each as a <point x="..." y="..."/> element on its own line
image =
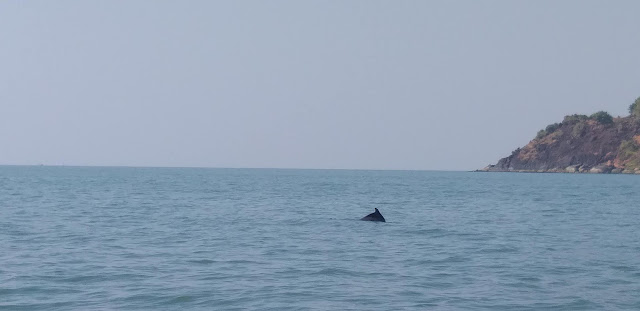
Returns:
<point x="77" y="238"/>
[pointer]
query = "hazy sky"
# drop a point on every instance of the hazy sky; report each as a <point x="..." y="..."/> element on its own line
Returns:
<point x="445" y="85"/>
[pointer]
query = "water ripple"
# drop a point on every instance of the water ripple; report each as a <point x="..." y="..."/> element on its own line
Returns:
<point x="164" y="239"/>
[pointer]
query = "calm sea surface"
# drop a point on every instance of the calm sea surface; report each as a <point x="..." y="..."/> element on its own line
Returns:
<point x="80" y="238"/>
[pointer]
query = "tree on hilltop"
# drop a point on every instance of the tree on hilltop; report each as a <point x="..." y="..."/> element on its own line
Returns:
<point x="602" y="117"/>
<point x="634" y="109"/>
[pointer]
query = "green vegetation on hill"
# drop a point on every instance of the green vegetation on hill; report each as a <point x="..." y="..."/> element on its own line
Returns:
<point x="634" y="109"/>
<point x="602" y="117"/>
<point x="628" y="154"/>
<point x="575" y="118"/>
<point x="597" y="143"/>
<point x="548" y="130"/>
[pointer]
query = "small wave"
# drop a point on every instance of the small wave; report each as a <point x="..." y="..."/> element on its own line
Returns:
<point x="439" y="261"/>
<point x="527" y="285"/>
<point x="203" y="261"/>
<point x="336" y="272"/>
<point x="34" y="290"/>
<point x="241" y="262"/>
<point x="84" y="279"/>
<point x="609" y="282"/>
<point x="430" y="232"/>
<point x="581" y="304"/>
<point x="180" y="299"/>
<point x="38" y="306"/>
<point x="499" y="250"/>
<point x="624" y="268"/>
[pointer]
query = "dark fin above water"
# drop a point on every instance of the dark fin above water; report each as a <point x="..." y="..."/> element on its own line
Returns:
<point x="375" y="216"/>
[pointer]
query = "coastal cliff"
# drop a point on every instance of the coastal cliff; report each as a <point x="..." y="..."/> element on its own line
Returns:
<point x="581" y="144"/>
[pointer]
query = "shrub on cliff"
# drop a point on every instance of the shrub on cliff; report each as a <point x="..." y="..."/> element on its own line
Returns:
<point x="628" y="153"/>
<point x="548" y="130"/>
<point x="552" y="128"/>
<point x="602" y="117"/>
<point x="578" y="130"/>
<point x="575" y="118"/>
<point x="634" y="109"/>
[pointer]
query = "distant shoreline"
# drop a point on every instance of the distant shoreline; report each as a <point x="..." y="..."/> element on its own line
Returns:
<point x="234" y="168"/>
<point x="625" y="172"/>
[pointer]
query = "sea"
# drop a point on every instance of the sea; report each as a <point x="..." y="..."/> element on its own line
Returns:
<point x="125" y="238"/>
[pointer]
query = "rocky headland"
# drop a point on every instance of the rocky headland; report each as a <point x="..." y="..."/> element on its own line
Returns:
<point x="581" y="144"/>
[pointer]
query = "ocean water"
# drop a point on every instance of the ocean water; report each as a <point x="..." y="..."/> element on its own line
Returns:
<point x="81" y="238"/>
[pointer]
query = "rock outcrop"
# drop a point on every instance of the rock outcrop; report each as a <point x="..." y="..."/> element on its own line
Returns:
<point x="580" y="144"/>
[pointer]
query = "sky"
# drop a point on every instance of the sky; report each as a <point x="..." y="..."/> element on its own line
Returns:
<point x="417" y="85"/>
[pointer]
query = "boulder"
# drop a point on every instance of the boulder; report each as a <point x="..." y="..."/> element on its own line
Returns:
<point x="600" y="169"/>
<point x="572" y="168"/>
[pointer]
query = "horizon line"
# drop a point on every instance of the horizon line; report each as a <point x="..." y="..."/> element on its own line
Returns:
<point x="254" y="168"/>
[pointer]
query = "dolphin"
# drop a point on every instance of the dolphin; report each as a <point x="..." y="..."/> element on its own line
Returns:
<point x="375" y="216"/>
